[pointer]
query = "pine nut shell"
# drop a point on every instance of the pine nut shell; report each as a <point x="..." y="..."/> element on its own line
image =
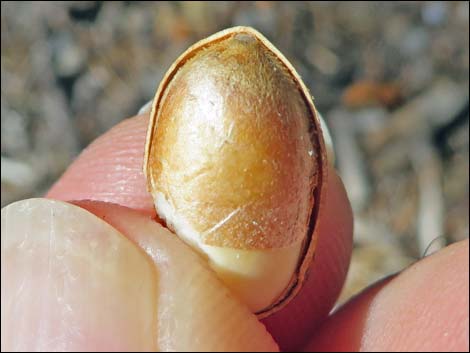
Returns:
<point x="318" y="179"/>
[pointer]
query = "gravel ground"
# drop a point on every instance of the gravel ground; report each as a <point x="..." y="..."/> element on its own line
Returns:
<point x="391" y="79"/>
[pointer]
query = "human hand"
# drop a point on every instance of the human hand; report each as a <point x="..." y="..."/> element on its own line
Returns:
<point x="133" y="300"/>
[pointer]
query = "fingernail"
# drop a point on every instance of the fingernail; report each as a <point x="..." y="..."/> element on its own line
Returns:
<point x="72" y="282"/>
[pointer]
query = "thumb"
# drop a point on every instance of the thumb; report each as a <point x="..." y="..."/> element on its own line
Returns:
<point x="70" y="281"/>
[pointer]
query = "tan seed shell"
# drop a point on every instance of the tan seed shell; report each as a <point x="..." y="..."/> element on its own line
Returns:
<point x="168" y="102"/>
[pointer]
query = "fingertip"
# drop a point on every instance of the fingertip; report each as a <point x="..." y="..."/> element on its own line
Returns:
<point x="195" y="310"/>
<point x="69" y="279"/>
<point x="110" y="169"/>
<point x="424" y="308"/>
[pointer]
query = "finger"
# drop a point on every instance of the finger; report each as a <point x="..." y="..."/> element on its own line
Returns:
<point x="292" y="326"/>
<point x="118" y="156"/>
<point x="424" y="308"/>
<point x="110" y="169"/>
<point x="195" y="310"/>
<point x="72" y="282"/>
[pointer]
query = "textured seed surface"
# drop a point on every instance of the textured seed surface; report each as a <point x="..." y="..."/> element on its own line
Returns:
<point x="232" y="151"/>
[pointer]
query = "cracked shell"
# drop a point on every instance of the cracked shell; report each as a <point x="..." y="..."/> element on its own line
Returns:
<point x="236" y="164"/>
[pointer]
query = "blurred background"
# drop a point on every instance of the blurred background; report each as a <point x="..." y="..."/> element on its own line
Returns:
<point x="391" y="80"/>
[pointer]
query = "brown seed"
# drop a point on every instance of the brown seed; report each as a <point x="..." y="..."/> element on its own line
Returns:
<point x="236" y="164"/>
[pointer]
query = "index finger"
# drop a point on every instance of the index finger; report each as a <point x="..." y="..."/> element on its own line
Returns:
<point x="110" y="170"/>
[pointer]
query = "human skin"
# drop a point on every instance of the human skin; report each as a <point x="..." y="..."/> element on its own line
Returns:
<point x="425" y="307"/>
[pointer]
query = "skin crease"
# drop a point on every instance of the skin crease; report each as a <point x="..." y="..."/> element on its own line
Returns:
<point x="110" y="170"/>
